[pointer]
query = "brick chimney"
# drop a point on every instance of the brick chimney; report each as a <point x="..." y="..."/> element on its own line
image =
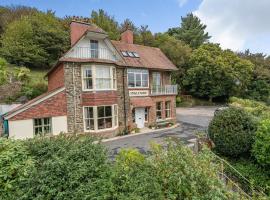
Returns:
<point x="127" y="36"/>
<point x="77" y="29"/>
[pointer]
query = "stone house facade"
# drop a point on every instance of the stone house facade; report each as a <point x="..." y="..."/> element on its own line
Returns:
<point x="101" y="87"/>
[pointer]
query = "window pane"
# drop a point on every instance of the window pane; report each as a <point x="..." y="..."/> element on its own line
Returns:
<point x="89" y="124"/>
<point x="89" y="112"/>
<point x="101" y="112"/>
<point x="88" y="73"/>
<point x="156" y="79"/>
<point x="38" y="122"/>
<point x="131" y="81"/>
<point x="138" y="80"/>
<point x="108" y="122"/>
<point x="101" y="123"/>
<point x="94" y="48"/>
<point x="108" y="111"/>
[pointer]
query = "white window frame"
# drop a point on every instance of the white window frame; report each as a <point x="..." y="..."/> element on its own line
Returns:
<point x="159" y="110"/>
<point x="113" y="78"/>
<point x="168" y="109"/>
<point x="139" y="71"/>
<point x="42" y="126"/>
<point x="114" y="108"/>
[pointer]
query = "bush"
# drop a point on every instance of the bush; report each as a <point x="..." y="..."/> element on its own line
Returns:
<point x="22" y="74"/>
<point x="3" y="71"/>
<point x="232" y="131"/>
<point x="68" y="168"/>
<point x="16" y="165"/>
<point x="33" y="90"/>
<point x="261" y="147"/>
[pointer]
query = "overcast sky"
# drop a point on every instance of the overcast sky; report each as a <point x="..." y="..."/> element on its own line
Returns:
<point x="235" y="24"/>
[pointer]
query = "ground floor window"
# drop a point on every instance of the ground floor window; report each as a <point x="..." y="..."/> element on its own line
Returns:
<point x="159" y="110"/>
<point x="168" y="109"/>
<point x="146" y="114"/>
<point x="100" y="117"/>
<point x="42" y="126"/>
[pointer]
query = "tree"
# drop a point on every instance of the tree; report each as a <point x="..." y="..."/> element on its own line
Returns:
<point x="37" y="40"/>
<point x="177" y="51"/>
<point x="107" y="23"/>
<point x="192" y="31"/>
<point x="144" y="36"/>
<point x="217" y="73"/>
<point x="3" y="71"/>
<point x="128" y="25"/>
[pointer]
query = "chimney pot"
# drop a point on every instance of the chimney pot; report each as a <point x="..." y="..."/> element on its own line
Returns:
<point x="127" y="36"/>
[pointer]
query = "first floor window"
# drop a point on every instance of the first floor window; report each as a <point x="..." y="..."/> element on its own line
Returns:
<point x="100" y="117"/>
<point x="159" y="110"/>
<point x="42" y="126"/>
<point x="168" y="109"/>
<point x="98" y="77"/>
<point x="137" y="78"/>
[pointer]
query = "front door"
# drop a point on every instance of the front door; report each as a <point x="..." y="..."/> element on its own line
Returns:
<point x="139" y="117"/>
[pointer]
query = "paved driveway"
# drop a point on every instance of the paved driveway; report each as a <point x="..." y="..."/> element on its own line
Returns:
<point x="191" y="120"/>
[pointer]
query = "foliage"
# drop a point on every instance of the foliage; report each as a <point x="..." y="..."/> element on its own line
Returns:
<point x="22" y="74"/>
<point x="34" y="41"/>
<point x="107" y="23"/>
<point x="3" y="71"/>
<point x="128" y="25"/>
<point x="16" y="164"/>
<point x="255" y="108"/>
<point x="68" y="167"/>
<point x="259" y="90"/>
<point x="144" y="36"/>
<point x="217" y="73"/>
<point x="192" y="31"/>
<point x="232" y="131"/>
<point x="258" y="176"/>
<point x="261" y="146"/>
<point x="33" y="90"/>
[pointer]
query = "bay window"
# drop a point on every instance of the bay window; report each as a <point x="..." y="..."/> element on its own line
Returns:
<point x="98" y="77"/>
<point x="100" y="117"/>
<point x="137" y="78"/>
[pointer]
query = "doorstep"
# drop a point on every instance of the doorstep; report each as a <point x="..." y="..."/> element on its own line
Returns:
<point x="142" y="131"/>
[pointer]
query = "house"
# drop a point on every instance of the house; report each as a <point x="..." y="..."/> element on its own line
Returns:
<point x="101" y="87"/>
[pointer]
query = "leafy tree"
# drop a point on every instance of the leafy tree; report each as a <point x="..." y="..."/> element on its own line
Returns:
<point x="128" y="24"/>
<point x="3" y="71"/>
<point x="177" y="51"/>
<point x="192" y="31"/>
<point x="107" y="23"/>
<point x="217" y="73"/>
<point x="144" y="36"/>
<point x="35" y="41"/>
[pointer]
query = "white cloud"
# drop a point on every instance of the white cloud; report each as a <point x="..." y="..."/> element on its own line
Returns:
<point x="236" y="24"/>
<point x="181" y="3"/>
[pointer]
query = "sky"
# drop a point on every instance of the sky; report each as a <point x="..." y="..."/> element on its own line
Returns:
<point x="234" y="24"/>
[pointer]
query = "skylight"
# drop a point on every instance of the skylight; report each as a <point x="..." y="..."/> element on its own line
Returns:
<point x="130" y="54"/>
<point x="136" y="54"/>
<point x="124" y="53"/>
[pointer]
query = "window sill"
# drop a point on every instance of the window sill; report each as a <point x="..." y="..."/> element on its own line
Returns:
<point x="101" y="90"/>
<point x="101" y="130"/>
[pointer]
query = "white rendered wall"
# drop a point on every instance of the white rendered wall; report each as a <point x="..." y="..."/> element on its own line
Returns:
<point x="21" y="129"/>
<point x="59" y="124"/>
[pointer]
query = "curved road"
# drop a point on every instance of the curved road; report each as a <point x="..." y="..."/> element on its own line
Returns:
<point x="191" y="120"/>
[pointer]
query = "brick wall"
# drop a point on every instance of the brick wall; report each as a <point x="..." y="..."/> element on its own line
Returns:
<point x="54" y="106"/>
<point x="56" y="78"/>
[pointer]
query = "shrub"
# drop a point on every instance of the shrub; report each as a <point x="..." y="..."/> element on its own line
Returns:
<point x="16" y="165"/>
<point x="22" y="74"/>
<point x="232" y="131"/>
<point x="261" y="147"/>
<point x="68" y="167"/>
<point x="33" y="90"/>
<point x="3" y="71"/>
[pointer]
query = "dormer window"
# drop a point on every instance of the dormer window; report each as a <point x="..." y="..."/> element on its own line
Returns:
<point x="94" y="48"/>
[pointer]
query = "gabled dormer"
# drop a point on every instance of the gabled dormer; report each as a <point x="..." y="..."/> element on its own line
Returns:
<point x="90" y="42"/>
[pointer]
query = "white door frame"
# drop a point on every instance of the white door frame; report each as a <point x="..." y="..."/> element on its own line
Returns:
<point x="140" y="117"/>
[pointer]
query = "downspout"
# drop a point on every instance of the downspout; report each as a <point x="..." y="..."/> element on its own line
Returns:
<point x="124" y="93"/>
<point x="74" y="98"/>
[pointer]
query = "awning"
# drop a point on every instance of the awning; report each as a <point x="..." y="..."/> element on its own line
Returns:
<point x="141" y="102"/>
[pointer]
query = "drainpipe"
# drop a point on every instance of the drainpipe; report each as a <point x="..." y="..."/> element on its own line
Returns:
<point x="74" y="98"/>
<point x="124" y="93"/>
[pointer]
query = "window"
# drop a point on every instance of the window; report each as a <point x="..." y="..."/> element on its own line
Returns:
<point x="168" y="109"/>
<point x="98" y="77"/>
<point x="130" y="54"/>
<point x="42" y="126"/>
<point x="124" y="53"/>
<point x="136" y="54"/>
<point x="94" y="48"/>
<point x="156" y="79"/>
<point x="89" y="118"/>
<point x="159" y="110"/>
<point x="100" y="117"/>
<point x="133" y="115"/>
<point x="146" y="114"/>
<point x="103" y="78"/>
<point x="104" y="117"/>
<point x="137" y="78"/>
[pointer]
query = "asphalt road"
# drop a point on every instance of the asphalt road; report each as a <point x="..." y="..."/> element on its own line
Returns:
<point x="191" y="120"/>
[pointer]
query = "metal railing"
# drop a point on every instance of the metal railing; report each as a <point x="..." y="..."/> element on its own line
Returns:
<point x="87" y="52"/>
<point x="163" y="90"/>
